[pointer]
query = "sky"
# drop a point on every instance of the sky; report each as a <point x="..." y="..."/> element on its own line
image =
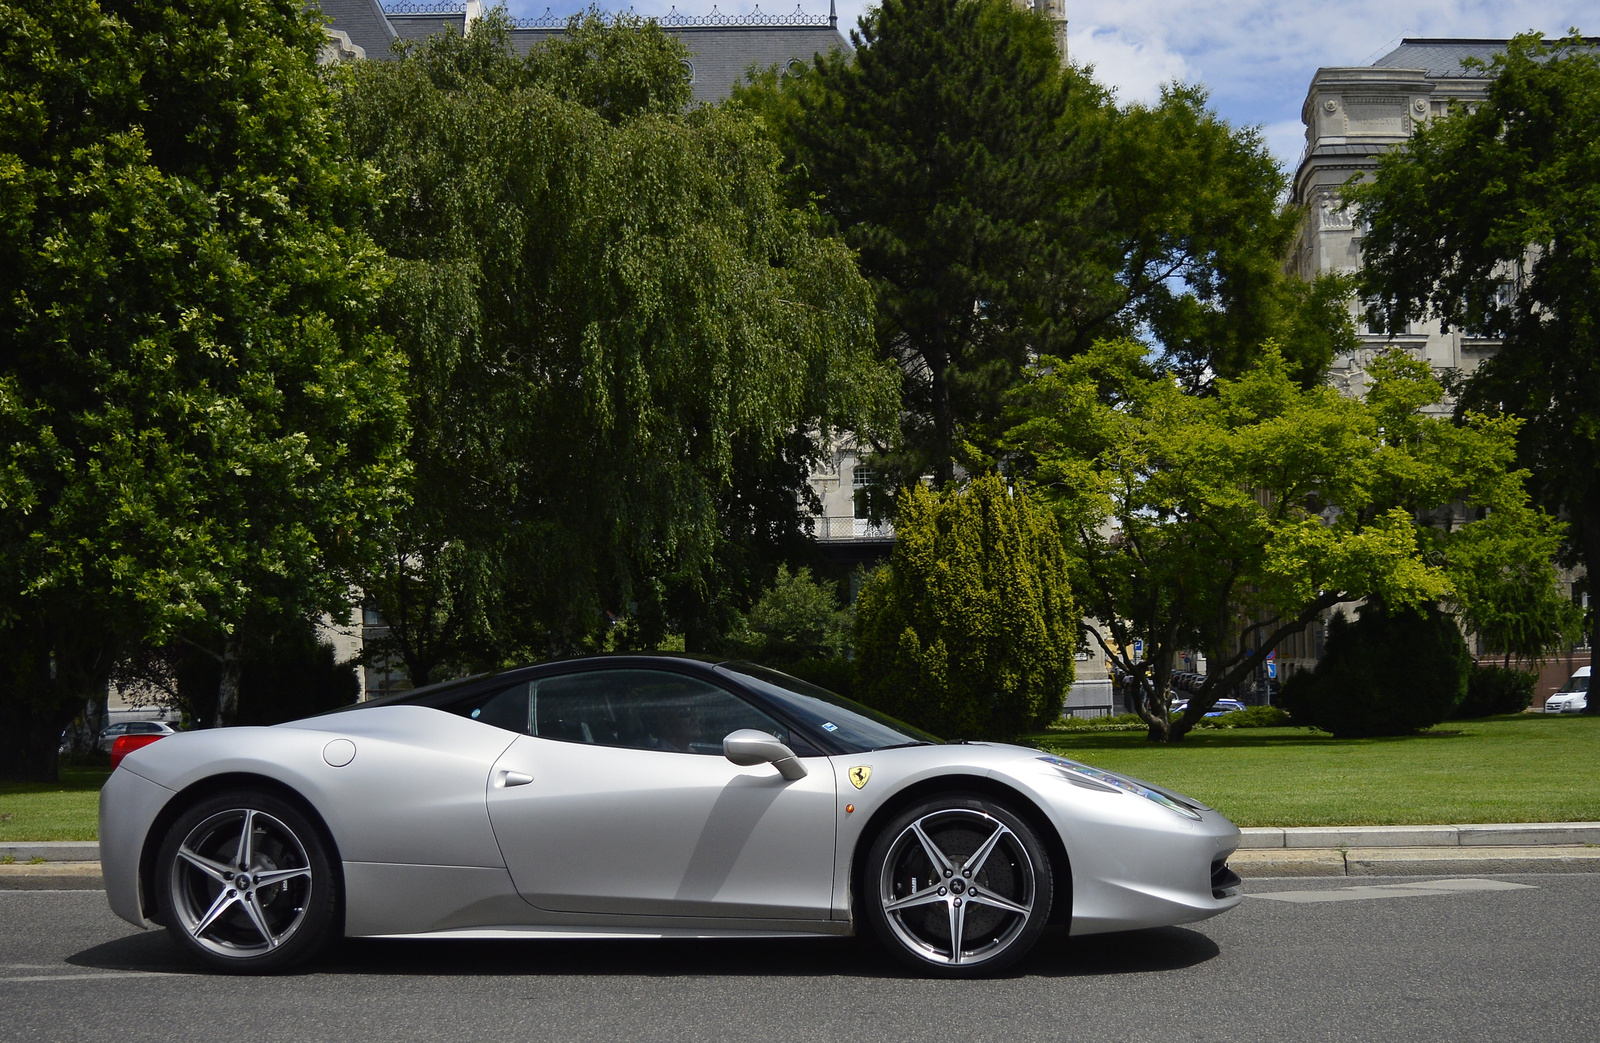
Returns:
<point x="1256" y="57"/>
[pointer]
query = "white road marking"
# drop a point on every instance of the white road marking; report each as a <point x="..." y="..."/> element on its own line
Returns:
<point x="95" y="975"/>
<point x="1369" y="891"/>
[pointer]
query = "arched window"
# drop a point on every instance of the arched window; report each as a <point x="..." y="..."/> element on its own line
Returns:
<point x="688" y="67"/>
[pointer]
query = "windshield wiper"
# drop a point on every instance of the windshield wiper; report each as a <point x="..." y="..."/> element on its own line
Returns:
<point x="902" y="745"/>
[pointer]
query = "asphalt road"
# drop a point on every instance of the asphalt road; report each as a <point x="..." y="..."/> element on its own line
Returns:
<point x="1374" y="959"/>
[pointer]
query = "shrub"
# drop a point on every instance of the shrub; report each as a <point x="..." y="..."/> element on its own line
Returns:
<point x="797" y="618"/>
<point x="1250" y="717"/>
<point x="1122" y="722"/>
<point x="1496" y="689"/>
<point x="969" y="630"/>
<point x="1388" y="673"/>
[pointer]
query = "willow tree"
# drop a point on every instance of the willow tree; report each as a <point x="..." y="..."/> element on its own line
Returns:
<point x="620" y="337"/>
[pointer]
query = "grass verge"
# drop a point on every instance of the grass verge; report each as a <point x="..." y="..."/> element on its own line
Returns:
<point x="1523" y="768"/>
<point x="65" y="810"/>
<point x="1519" y="768"/>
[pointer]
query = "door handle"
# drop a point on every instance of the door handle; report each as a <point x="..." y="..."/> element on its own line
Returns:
<point x="513" y="778"/>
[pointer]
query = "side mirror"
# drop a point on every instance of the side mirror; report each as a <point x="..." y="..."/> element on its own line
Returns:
<point x="748" y="746"/>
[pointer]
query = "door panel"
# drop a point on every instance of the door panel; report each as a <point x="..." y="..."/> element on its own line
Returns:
<point x="607" y="829"/>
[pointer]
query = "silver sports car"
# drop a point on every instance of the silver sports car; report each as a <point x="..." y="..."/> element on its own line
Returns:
<point x="640" y="796"/>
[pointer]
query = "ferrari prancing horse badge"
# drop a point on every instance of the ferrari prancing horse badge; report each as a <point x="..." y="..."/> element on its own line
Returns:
<point x="859" y="775"/>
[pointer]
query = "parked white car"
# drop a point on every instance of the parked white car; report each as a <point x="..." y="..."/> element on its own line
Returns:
<point x="1574" y="698"/>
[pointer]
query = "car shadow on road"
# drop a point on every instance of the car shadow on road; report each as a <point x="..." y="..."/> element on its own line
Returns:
<point x="1130" y="952"/>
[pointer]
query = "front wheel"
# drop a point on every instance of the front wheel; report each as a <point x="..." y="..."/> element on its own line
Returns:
<point x="246" y="883"/>
<point x="959" y="886"/>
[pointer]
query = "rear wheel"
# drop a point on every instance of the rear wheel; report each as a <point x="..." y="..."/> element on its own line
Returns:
<point x="246" y="884"/>
<point x="959" y="886"/>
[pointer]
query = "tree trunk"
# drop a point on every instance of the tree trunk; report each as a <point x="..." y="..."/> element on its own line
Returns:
<point x="228" y="686"/>
<point x="1588" y="534"/>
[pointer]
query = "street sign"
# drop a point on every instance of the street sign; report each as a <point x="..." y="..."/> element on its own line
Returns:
<point x="1138" y="648"/>
<point x="1272" y="655"/>
<point x="1272" y="670"/>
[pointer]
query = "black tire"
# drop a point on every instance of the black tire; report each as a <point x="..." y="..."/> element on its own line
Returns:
<point x="954" y="898"/>
<point x="256" y="928"/>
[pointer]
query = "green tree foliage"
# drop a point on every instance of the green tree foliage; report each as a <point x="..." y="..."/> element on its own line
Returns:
<point x="1489" y="219"/>
<point x="615" y="325"/>
<point x="199" y="421"/>
<point x="284" y="674"/>
<point x="798" y="626"/>
<point x="969" y="631"/>
<point x="1227" y="523"/>
<point x="1392" y="672"/>
<point x="1005" y="207"/>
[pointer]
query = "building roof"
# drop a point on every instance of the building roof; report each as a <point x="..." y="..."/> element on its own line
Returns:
<point x="364" y="22"/>
<point x="1442" y="59"/>
<point x="719" y="53"/>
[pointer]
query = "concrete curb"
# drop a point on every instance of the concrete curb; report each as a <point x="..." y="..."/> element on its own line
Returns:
<point x="1508" y="834"/>
<point x="1415" y="861"/>
<point x="52" y="850"/>
<point x="52" y="876"/>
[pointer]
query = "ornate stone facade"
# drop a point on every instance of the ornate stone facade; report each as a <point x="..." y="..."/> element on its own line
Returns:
<point x="1352" y="116"/>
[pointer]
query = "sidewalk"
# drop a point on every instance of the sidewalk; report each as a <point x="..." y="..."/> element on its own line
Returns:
<point x="1471" y="850"/>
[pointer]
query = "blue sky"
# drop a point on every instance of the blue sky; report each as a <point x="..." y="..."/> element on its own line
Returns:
<point x="1255" y="56"/>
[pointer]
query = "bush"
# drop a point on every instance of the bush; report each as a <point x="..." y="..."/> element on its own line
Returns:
<point x="1388" y="673"/>
<point x="798" y="618"/>
<point x="1122" y="722"/>
<point x="1250" y="717"/>
<point x="1496" y="689"/>
<point x="969" y="630"/>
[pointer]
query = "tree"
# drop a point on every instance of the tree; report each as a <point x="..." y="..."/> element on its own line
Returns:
<point x="969" y="630"/>
<point x="200" y="421"/>
<point x="1489" y="219"/>
<point x="616" y="328"/>
<point x="1226" y="523"/>
<point x="1004" y="207"/>
<point x="798" y="617"/>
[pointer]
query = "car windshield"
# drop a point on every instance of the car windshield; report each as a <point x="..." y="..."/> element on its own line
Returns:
<point x="1576" y="684"/>
<point x="847" y="722"/>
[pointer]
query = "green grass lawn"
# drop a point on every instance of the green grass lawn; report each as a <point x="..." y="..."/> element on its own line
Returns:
<point x="1523" y="768"/>
<point x="67" y="810"/>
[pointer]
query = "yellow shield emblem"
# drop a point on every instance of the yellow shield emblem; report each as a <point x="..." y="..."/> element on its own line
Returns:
<point x="859" y="775"/>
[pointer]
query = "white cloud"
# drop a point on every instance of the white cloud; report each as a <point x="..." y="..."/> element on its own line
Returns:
<point x="1133" y="63"/>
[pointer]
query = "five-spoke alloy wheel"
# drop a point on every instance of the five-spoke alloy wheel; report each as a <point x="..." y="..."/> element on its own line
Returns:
<point x="245" y="883"/>
<point x="959" y="885"/>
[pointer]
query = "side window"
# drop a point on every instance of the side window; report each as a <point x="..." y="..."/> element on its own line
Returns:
<point x="504" y="708"/>
<point x="644" y="710"/>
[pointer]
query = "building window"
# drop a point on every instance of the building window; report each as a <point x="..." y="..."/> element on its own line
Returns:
<point x="688" y="67"/>
<point x="860" y="485"/>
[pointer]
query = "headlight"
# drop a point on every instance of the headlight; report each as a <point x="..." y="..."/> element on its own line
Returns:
<point x="1107" y="779"/>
